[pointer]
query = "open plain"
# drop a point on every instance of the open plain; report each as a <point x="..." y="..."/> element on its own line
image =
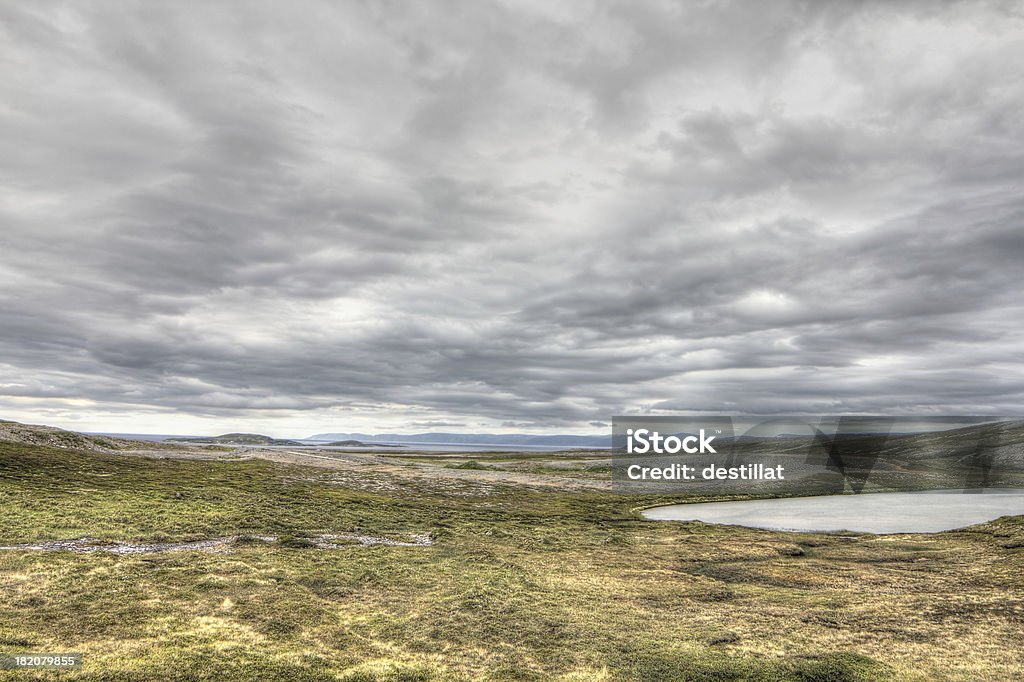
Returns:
<point x="294" y="564"/>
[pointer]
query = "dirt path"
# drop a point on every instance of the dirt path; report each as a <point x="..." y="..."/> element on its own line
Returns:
<point x="89" y="545"/>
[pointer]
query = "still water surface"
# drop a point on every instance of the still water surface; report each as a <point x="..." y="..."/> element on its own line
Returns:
<point x="912" y="512"/>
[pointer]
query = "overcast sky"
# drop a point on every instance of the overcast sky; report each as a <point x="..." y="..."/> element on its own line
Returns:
<point x="294" y="217"/>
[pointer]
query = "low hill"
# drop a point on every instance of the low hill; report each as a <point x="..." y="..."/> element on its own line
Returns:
<point x="32" y="434"/>
<point x="239" y="439"/>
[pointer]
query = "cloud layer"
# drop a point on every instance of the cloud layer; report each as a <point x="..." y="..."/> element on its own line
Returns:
<point x="320" y="216"/>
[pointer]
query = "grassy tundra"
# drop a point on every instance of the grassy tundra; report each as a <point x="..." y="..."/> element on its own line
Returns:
<point x="522" y="581"/>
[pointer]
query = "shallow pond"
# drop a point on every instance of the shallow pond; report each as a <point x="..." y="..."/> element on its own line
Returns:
<point x="911" y="512"/>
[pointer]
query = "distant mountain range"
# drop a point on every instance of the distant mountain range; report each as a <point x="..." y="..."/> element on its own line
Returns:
<point x="563" y="441"/>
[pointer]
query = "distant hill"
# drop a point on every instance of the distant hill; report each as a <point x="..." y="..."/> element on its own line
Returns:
<point x="355" y="444"/>
<point x="34" y="434"/>
<point x="239" y="439"/>
<point x="565" y="441"/>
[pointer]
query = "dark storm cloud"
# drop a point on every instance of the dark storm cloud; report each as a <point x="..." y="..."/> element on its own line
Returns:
<point x="487" y="214"/>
